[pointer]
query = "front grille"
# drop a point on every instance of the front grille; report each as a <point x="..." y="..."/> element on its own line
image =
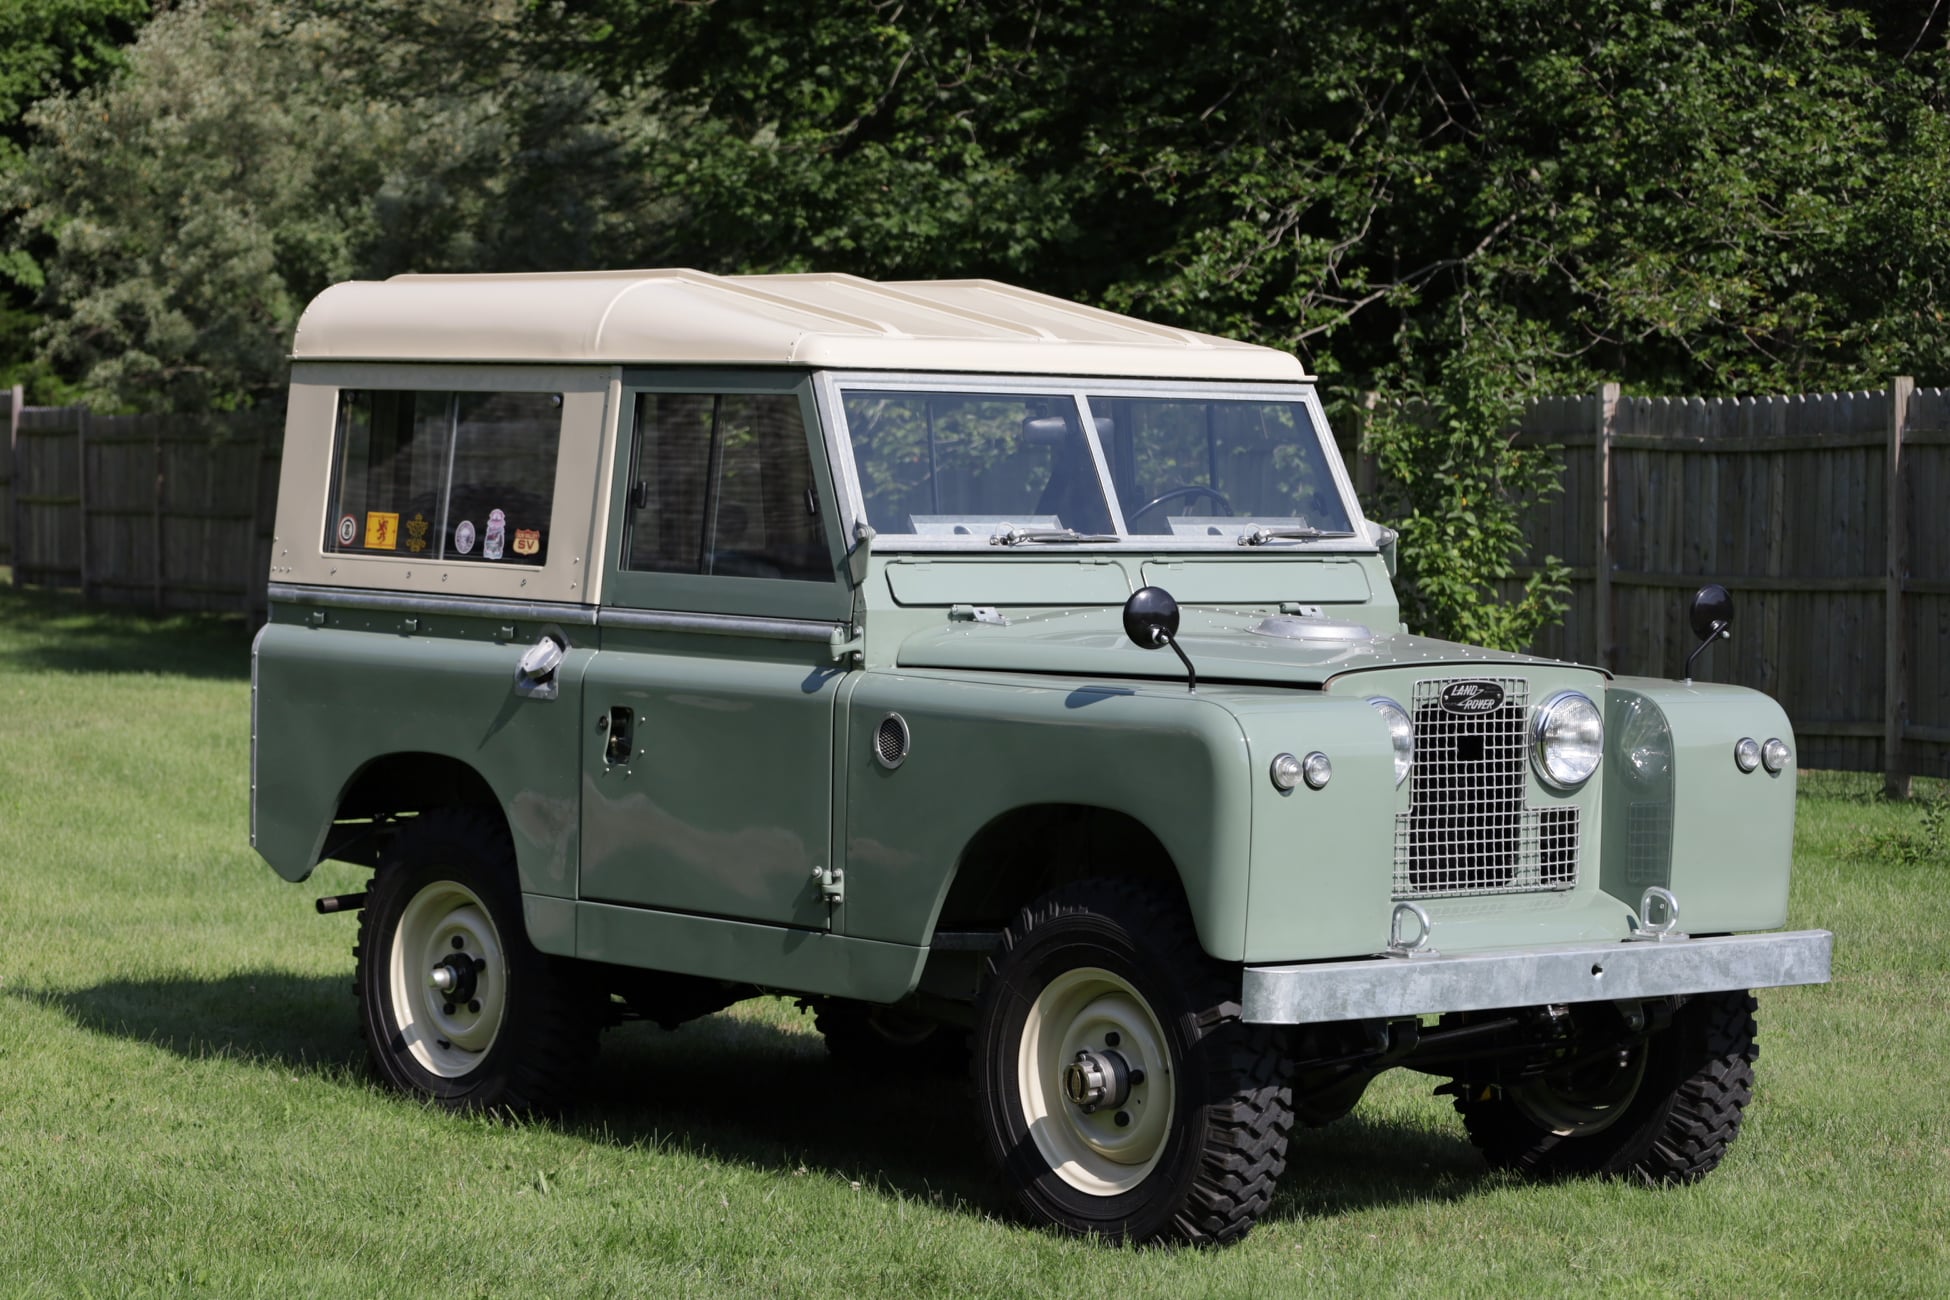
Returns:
<point x="1467" y="830"/>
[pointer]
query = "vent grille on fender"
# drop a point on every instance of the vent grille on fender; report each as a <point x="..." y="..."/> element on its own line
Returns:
<point x="1467" y="830"/>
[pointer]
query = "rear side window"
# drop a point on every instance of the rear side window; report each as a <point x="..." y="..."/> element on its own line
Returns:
<point x="445" y="476"/>
<point x="723" y="485"/>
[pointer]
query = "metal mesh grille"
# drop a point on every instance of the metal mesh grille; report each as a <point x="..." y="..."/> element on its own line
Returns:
<point x="890" y="741"/>
<point x="1648" y="842"/>
<point x="1467" y="830"/>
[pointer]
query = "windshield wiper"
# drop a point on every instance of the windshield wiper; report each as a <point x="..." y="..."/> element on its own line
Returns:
<point x="1017" y="536"/>
<point x="1261" y="536"/>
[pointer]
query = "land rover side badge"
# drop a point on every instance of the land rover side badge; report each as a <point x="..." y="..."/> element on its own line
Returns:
<point x="1471" y="697"/>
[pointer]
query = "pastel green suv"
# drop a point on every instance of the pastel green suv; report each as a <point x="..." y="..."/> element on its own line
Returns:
<point x="1018" y="683"/>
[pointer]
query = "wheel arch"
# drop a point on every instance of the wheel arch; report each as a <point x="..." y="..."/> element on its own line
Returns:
<point x="1024" y="852"/>
<point x="388" y="787"/>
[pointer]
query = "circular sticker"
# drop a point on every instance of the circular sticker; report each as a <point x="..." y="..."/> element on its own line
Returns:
<point x="464" y="536"/>
<point x="348" y="530"/>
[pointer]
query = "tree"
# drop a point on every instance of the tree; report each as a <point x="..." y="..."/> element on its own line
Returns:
<point x="46" y="47"/>
<point x="251" y="154"/>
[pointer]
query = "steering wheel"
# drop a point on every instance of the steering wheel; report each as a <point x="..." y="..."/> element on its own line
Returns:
<point x="1176" y="494"/>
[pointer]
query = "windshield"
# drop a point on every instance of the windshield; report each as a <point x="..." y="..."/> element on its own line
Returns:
<point x="1194" y="468"/>
<point x="974" y="464"/>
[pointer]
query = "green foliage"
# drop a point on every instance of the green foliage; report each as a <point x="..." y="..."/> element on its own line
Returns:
<point x="46" y="47"/>
<point x="252" y="154"/>
<point x="1457" y="486"/>
<point x="1924" y="838"/>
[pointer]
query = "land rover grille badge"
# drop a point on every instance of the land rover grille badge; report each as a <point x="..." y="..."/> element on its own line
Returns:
<point x="1471" y="697"/>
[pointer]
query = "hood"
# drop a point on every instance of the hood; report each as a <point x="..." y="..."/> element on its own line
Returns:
<point x="1224" y="646"/>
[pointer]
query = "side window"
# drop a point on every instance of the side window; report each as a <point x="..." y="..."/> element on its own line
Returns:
<point x="445" y="476"/>
<point x="723" y="485"/>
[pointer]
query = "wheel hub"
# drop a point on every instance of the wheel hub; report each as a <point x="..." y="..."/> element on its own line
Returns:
<point x="1097" y="1079"/>
<point x="456" y="976"/>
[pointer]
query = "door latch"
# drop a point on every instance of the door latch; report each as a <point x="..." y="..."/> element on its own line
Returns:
<point x="621" y="745"/>
<point x="831" y="884"/>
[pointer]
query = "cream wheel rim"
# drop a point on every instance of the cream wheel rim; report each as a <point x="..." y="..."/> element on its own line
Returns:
<point x="1109" y="1146"/>
<point x="448" y="978"/>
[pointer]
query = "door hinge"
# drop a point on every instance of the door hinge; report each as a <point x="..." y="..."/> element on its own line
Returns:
<point x="831" y="884"/>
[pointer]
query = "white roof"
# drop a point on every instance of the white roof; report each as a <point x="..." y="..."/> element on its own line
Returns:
<point x="834" y="321"/>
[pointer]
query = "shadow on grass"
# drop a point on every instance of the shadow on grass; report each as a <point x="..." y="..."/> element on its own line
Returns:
<point x="748" y="1093"/>
<point x="53" y="631"/>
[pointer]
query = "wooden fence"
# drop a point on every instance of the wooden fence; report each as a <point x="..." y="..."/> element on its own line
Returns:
<point x="1827" y="516"/>
<point x="164" y="513"/>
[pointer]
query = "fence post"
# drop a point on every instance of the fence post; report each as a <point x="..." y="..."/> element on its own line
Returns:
<point x="16" y="400"/>
<point x="156" y="529"/>
<point x="1601" y="478"/>
<point x="81" y="503"/>
<point x="1895" y="660"/>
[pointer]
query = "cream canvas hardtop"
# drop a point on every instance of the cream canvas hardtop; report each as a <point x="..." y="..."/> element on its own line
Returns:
<point x="694" y="318"/>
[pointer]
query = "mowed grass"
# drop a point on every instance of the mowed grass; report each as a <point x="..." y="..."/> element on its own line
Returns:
<point x="184" y="1107"/>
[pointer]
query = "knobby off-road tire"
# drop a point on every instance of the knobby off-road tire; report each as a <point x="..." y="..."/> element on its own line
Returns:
<point x="1107" y="966"/>
<point x="518" y="1031"/>
<point x="866" y="1039"/>
<point x="1698" y="1079"/>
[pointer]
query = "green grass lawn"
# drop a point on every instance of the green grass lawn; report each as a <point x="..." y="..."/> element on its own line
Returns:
<point x="184" y="1106"/>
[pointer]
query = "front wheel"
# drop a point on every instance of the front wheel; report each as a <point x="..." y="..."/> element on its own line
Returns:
<point x="456" y="1004"/>
<point x="1663" y="1111"/>
<point x="1117" y="1088"/>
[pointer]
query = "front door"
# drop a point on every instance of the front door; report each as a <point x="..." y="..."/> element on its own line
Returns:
<point x="708" y="759"/>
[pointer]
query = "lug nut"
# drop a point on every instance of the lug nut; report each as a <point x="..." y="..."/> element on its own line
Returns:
<point x="1137" y="1077"/>
<point x="475" y="1007"/>
<point x="447" y="1008"/>
<point x="1123" y="1119"/>
<point x="1112" y="1039"/>
<point x="458" y="942"/>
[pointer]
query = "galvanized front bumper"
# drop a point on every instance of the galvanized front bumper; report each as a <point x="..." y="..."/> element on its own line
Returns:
<point x="1573" y="972"/>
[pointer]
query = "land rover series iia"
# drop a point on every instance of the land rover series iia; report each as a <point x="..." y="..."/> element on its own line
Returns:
<point x="1019" y="684"/>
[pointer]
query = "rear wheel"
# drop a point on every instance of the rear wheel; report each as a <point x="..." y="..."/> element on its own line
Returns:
<point x="1664" y="1111"/>
<point x="456" y="1004"/>
<point x="1118" y="1089"/>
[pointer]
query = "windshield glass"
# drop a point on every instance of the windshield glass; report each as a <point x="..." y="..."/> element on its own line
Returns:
<point x="1191" y="467"/>
<point x="973" y="464"/>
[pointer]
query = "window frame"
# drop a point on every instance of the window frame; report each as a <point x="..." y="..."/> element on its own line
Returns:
<point x="719" y="593"/>
<point x="832" y="385"/>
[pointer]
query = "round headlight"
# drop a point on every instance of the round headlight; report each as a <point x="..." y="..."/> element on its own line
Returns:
<point x="1746" y="753"/>
<point x="1569" y="739"/>
<point x="1401" y="733"/>
<point x="1774" y="755"/>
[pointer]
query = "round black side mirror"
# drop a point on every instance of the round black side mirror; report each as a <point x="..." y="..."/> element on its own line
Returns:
<point x="1151" y="618"/>
<point x="1711" y="611"/>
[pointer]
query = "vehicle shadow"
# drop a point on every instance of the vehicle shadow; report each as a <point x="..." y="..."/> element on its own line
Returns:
<point x="743" y="1092"/>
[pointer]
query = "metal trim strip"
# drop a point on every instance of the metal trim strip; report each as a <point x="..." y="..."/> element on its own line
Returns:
<point x="474" y="606"/>
<point x="778" y="629"/>
<point x="256" y="642"/>
<point x="1582" y="972"/>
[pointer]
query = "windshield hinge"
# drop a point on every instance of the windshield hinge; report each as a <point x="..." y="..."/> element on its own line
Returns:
<point x="831" y="884"/>
<point x="976" y="614"/>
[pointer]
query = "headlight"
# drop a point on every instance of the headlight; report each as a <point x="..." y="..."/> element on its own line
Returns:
<point x="1568" y="739"/>
<point x="1401" y="731"/>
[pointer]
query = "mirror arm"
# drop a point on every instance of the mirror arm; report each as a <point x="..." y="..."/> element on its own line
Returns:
<point x="1190" y="672"/>
<point x="1720" y="629"/>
